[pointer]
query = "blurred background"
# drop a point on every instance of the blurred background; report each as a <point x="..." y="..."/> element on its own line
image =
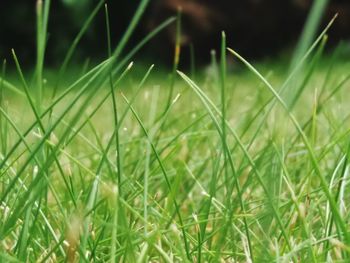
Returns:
<point x="255" y="28"/>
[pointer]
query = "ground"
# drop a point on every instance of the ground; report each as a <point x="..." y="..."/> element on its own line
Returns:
<point x="177" y="182"/>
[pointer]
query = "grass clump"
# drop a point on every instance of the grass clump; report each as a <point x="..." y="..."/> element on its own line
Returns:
<point x="118" y="167"/>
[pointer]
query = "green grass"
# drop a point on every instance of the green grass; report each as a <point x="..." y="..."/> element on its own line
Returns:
<point x="132" y="164"/>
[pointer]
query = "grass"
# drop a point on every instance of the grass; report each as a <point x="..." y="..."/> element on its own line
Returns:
<point x="131" y="164"/>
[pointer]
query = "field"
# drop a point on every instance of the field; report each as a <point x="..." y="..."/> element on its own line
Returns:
<point x="238" y="162"/>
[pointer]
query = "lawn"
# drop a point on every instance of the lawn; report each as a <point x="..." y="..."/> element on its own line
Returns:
<point x="239" y="162"/>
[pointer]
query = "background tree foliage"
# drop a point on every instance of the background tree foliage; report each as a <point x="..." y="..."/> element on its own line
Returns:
<point x="255" y="28"/>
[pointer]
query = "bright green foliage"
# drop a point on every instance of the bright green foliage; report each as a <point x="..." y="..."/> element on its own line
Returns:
<point x="126" y="167"/>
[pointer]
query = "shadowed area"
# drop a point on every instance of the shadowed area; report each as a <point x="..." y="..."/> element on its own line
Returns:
<point x="255" y="28"/>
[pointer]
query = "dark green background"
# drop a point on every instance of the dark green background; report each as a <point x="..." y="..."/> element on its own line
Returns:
<point x="254" y="28"/>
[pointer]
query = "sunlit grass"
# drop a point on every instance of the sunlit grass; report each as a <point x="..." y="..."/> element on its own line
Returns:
<point x="129" y="163"/>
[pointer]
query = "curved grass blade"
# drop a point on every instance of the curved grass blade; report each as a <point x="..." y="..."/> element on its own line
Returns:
<point x="340" y="222"/>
